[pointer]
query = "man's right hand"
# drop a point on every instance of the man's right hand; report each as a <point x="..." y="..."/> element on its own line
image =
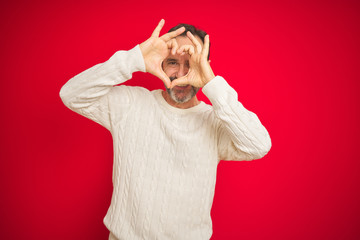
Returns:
<point x="156" y="49"/>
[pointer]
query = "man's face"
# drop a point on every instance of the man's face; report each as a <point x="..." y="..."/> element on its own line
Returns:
<point x="176" y="66"/>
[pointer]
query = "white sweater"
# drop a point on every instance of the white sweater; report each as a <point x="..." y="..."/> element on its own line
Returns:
<point x="165" y="158"/>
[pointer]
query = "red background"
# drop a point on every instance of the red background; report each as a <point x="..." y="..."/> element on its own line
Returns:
<point x="294" y="63"/>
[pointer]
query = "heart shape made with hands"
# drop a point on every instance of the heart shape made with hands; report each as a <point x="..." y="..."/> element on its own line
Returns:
<point x="156" y="49"/>
<point x="200" y="72"/>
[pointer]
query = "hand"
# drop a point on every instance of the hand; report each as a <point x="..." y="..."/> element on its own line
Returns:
<point x="200" y="72"/>
<point x="156" y="49"/>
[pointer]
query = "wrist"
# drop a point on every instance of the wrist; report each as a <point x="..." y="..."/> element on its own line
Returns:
<point x="145" y="50"/>
<point x="208" y="78"/>
<point x="134" y="59"/>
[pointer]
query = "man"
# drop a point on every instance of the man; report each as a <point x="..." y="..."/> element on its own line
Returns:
<point x="167" y="144"/>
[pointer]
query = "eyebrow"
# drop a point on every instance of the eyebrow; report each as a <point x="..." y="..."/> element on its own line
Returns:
<point x="171" y="60"/>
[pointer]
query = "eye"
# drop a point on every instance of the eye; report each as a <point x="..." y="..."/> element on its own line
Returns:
<point x="172" y="63"/>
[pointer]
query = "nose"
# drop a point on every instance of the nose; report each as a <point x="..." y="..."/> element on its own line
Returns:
<point x="183" y="70"/>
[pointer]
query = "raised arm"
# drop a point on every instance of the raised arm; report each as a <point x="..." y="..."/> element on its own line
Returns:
<point x="90" y="93"/>
<point x="241" y="136"/>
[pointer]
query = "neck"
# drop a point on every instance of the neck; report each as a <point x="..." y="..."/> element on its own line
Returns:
<point x="191" y="103"/>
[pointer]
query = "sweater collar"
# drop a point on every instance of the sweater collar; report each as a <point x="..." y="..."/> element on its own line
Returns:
<point x="160" y="99"/>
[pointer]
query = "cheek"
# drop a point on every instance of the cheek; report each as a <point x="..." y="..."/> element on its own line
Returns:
<point x="169" y="70"/>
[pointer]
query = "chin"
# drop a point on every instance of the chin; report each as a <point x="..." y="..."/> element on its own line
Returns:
<point x="184" y="98"/>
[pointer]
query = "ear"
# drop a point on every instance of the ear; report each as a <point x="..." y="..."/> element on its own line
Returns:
<point x="209" y="61"/>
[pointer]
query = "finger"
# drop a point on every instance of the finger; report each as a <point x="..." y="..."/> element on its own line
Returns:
<point x="173" y="45"/>
<point x="162" y="75"/>
<point x="205" y="52"/>
<point x="195" y="42"/>
<point x="179" y="81"/>
<point x="186" y="49"/>
<point x="156" y="32"/>
<point x="165" y="79"/>
<point x="166" y="37"/>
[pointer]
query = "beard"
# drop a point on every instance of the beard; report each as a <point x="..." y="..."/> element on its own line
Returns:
<point x="178" y="95"/>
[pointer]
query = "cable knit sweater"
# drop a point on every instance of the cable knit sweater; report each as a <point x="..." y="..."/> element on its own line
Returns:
<point x="165" y="158"/>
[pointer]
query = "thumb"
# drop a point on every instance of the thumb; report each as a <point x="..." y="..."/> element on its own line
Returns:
<point x="180" y="81"/>
<point x="162" y="75"/>
<point x="165" y="79"/>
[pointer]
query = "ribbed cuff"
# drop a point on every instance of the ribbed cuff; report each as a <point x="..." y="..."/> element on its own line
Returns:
<point x="133" y="58"/>
<point x="216" y="88"/>
<point x="137" y="59"/>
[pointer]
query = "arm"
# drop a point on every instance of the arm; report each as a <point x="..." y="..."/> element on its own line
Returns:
<point x="88" y="93"/>
<point x="91" y="93"/>
<point x="241" y="134"/>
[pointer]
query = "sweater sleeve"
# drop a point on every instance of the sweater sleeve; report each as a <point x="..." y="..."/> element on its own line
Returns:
<point x="91" y="92"/>
<point x="241" y="136"/>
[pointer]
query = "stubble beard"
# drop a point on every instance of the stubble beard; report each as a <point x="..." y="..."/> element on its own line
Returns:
<point x="175" y="94"/>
